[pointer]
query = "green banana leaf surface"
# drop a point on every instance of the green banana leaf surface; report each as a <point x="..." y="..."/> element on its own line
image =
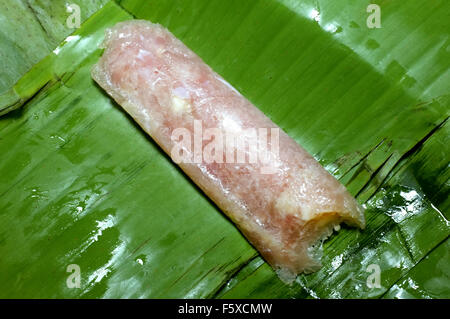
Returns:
<point x="83" y="189"/>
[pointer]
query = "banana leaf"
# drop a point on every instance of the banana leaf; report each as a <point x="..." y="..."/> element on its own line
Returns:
<point x="81" y="184"/>
<point x="31" y="30"/>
